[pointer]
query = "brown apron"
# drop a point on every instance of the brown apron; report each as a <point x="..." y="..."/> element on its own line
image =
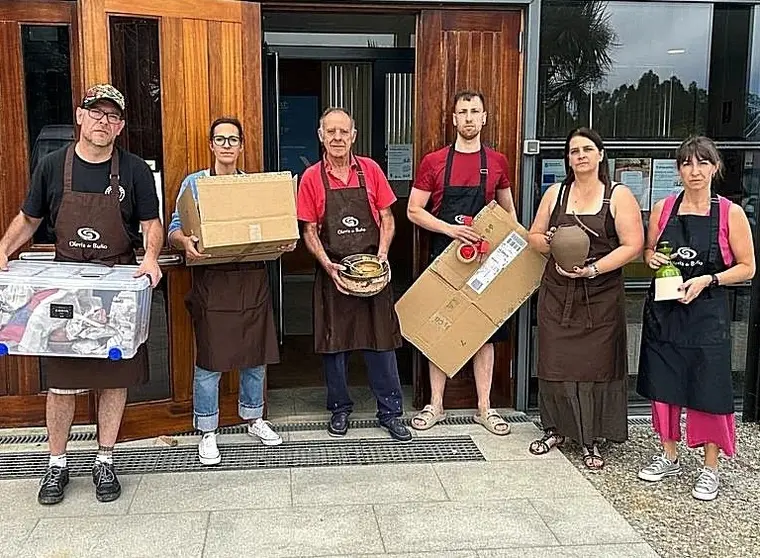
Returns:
<point x="581" y="322"/>
<point x="343" y="322"/>
<point x="81" y="217"/>
<point x="231" y="308"/>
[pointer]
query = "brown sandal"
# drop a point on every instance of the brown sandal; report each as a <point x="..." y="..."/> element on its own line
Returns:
<point x="592" y="459"/>
<point x="546" y="443"/>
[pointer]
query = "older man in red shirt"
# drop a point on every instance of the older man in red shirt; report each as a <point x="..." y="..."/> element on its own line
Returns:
<point x="345" y="204"/>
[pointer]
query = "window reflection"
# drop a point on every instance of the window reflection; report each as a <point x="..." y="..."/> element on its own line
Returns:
<point x="47" y="82"/>
<point x="752" y="129"/>
<point x="601" y="66"/>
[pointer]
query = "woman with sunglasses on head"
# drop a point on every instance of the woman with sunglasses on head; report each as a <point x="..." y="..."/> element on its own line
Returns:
<point x="685" y="343"/>
<point x="582" y="348"/>
<point x="231" y="308"/>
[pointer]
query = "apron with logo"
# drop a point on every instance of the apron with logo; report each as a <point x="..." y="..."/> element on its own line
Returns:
<point x="685" y="357"/>
<point x="231" y="308"/>
<point x="459" y="202"/>
<point x="344" y="322"/>
<point x="90" y="228"/>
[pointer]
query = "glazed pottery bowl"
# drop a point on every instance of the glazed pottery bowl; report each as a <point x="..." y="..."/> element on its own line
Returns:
<point x="364" y="274"/>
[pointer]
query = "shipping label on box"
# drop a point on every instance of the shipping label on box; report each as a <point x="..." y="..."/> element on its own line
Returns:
<point x="241" y="217"/>
<point x="454" y="307"/>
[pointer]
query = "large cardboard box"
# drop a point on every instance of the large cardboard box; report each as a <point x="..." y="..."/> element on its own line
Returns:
<point x="454" y="307"/>
<point x="241" y="218"/>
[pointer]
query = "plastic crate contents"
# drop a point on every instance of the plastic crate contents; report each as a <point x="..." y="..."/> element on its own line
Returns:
<point x="73" y="310"/>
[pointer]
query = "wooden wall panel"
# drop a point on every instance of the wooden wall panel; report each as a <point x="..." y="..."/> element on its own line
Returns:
<point x="467" y="50"/>
<point x="196" y="93"/>
<point x="93" y="32"/>
<point x="35" y="11"/>
<point x="253" y="114"/>
<point x="14" y="163"/>
<point x="209" y="10"/>
<point x="181" y="343"/>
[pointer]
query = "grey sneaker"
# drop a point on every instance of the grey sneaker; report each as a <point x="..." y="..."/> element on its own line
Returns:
<point x="660" y="468"/>
<point x="706" y="487"/>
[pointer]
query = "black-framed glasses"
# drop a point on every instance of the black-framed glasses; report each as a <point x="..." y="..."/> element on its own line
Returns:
<point x="220" y="141"/>
<point x="97" y="114"/>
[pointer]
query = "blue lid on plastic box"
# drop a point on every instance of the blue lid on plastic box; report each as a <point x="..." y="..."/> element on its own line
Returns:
<point x="3" y="349"/>
<point x="114" y="353"/>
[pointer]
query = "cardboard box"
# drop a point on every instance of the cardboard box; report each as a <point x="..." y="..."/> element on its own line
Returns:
<point x="454" y="307"/>
<point x="241" y="218"/>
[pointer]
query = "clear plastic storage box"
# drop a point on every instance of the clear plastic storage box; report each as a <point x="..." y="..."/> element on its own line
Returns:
<point x="73" y="310"/>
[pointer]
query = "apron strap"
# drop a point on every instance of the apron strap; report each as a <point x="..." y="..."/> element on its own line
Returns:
<point x="714" y="226"/>
<point x="561" y="204"/>
<point x="359" y="173"/>
<point x="67" y="168"/>
<point x="483" y="174"/>
<point x="113" y="178"/>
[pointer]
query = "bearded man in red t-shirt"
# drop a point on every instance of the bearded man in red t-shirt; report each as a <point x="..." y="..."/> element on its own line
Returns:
<point x="453" y="183"/>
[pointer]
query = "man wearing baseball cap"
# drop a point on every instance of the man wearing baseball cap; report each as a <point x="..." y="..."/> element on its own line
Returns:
<point x="94" y="199"/>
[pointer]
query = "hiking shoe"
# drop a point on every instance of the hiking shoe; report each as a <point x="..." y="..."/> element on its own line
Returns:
<point x="107" y="487"/>
<point x="52" y="485"/>
<point x="660" y="468"/>
<point x="262" y="430"/>
<point x="397" y="429"/>
<point x="208" y="452"/>
<point x="706" y="487"/>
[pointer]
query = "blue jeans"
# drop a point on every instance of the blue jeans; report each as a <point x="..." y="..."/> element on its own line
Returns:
<point x="206" y="396"/>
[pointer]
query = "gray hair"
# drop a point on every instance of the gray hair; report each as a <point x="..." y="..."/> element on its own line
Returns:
<point x="330" y="110"/>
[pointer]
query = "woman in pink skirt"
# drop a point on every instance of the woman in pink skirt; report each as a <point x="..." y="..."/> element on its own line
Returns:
<point x="686" y="344"/>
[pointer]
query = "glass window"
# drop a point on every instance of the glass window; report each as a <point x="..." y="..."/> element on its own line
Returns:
<point x="600" y="66"/>
<point x="47" y="80"/>
<point x="752" y="129"/>
<point x="366" y="40"/>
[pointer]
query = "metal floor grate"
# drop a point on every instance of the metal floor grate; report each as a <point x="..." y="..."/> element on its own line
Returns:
<point x="322" y="453"/>
<point x="306" y="426"/>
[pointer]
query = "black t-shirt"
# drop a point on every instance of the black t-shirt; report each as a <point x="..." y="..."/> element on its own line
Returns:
<point x="137" y="191"/>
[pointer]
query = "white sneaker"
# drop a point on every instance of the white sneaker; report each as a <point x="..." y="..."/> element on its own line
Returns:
<point x="262" y="430"/>
<point x="208" y="453"/>
<point x="660" y="468"/>
<point x="706" y="487"/>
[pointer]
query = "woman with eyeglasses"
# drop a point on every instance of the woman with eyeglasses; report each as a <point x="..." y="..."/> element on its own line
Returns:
<point x="686" y="343"/>
<point x="231" y="308"/>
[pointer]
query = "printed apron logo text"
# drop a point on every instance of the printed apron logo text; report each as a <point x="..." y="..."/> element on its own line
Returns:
<point x="121" y="192"/>
<point x="89" y="240"/>
<point x="352" y="226"/>
<point x="686" y="257"/>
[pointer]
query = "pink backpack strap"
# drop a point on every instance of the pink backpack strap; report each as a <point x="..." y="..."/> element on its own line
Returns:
<point x="725" y="246"/>
<point x="667" y="209"/>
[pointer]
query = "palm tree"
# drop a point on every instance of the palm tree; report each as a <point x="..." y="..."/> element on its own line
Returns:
<point x="576" y="39"/>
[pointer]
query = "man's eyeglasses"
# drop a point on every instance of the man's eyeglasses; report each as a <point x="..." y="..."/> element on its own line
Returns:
<point x="97" y="114"/>
<point x="220" y="141"/>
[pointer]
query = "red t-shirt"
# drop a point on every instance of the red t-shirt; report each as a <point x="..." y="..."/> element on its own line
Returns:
<point x="311" y="193"/>
<point x="465" y="171"/>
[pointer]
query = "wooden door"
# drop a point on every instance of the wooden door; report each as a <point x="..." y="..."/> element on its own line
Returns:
<point x="190" y="63"/>
<point x="477" y="50"/>
<point x="39" y="85"/>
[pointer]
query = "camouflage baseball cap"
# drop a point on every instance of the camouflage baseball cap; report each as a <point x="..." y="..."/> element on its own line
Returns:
<point x="103" y="92"/>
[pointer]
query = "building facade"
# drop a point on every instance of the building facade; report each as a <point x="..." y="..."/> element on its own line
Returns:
<point x="645" y="74"/>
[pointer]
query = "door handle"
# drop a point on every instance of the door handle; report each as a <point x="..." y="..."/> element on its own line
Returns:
<point x="164" y="260"/>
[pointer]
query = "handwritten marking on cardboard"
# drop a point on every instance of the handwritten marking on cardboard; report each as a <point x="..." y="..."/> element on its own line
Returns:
<point x="254" y="232"/>
<point x="500" y="258"/>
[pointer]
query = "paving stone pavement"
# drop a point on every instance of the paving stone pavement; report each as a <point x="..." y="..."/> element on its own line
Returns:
<point x="511" y="505"/>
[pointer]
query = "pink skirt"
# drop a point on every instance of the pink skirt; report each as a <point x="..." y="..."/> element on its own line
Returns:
<point x="701" y="428"/>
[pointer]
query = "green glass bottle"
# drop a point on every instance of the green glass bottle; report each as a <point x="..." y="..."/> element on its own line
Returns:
<point x="667" y="278"/>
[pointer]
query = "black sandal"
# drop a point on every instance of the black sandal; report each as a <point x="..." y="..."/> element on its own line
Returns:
<point x="592" y="459"/>
<point x="543" y="446"/>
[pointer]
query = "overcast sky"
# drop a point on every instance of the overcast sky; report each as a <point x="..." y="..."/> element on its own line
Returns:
<point x="645" y="33"/>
